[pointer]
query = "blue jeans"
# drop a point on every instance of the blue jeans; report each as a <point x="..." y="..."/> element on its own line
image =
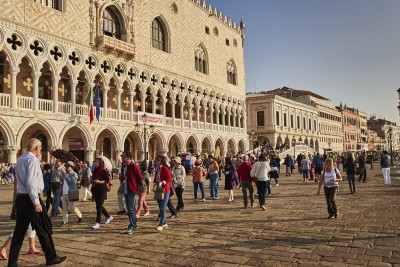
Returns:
<point x="196" y="186"/>
<point x="130" y="200"/>
<point x="214" y="185"/>
<point x="162" y="205"/>
<point x="305" y="173"/>
<point x="56" y="201"/>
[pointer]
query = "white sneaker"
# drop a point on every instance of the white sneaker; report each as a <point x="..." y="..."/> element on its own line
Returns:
<point x="109" y="219"/>
<point x="270" y="195"/>
<point x="164" y="226"/>
<point x="277" y="185"/>
<point x="204" y="200"/>
<point x="147" y="214"/>
<point x="160" y="228"/>
<point x="96" y="226"/>
<point x="263" y="207"/>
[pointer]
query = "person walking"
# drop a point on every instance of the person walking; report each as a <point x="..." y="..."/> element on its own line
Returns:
<point x="260" y="172"/>
<point x="143" y="191"/>
<point x="230" y="178"/>
<point x="385" y="165"/>
<point x="68" y="182"/>
<point x="120" y="191"/>
<point x="86" y="180"/>
<point x="178" y="176"/>
<point x="214" y="175"/>
<point x="305" y="167"/>
<point x="198" y="174"/>
<point x="287" y="161"/>
<point x="330" y="178"/>
<point x="31" y="234"/>
<point x="47" y="185"/>
<point x="351" y="174"/>
<point x="363" y="169"/>
<point x="58" y="173"/>
<point x="101" y="177"/>
<point x="30" y="207"/>
<point x="274" y="169"/>
<point x="246" y="181"/>
<point x="133" y="178"/>
<point x="163" y="179"/>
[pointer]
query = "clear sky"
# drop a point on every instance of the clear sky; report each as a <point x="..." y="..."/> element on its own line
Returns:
<point x="345" y="50"/>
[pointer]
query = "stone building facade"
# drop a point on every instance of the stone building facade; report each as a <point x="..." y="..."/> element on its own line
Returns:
<point x="273" y="119"/>
<point x="351" y="128"/>
<point x="177" y="61"/>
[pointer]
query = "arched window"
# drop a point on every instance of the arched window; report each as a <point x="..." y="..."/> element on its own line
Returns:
<point x="159" y="37"/>
<point x="201" y="60"/>
<point x="111" y="25"/>
<point x="56" y="4"/>
<point x="231" y="73"/>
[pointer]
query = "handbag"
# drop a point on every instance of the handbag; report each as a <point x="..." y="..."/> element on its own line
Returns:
<point x="159" y="193"/>
<point x="73" y="194"/>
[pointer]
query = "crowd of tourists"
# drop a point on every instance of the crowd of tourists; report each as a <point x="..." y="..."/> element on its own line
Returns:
<point x="61" y="183"/>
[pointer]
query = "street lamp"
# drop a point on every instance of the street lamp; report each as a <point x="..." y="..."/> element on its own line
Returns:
<point x="142" y="131"/>
<point x="390" y="132"/>
<point x="294" y="145"/>
<point x="253" y="136"/>
<point x="398" y="107"/>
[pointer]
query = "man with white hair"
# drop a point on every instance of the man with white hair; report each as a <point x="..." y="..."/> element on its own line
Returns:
<point x="30" y="208"/>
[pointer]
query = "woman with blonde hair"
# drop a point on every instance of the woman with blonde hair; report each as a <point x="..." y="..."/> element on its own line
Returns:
<point x="330" y="178"/>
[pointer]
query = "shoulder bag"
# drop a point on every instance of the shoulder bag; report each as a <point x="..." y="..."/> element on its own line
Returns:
<point x="159" y="193"/>
<point x="73" y="194"/>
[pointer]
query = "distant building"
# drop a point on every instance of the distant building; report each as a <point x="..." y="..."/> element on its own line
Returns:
<point x="351" y="128"/>
<point x="387" y="131"/>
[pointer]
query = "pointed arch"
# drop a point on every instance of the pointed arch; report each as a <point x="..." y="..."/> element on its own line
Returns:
<point x="231" y="71"/>
<point x="113" y="22"/>
<point x="201" y="59"/>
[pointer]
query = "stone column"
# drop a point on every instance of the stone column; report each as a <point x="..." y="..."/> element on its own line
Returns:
<point x="153" y="104"/>
<point x="211" y="117"/>
<point x="173" y="103"/>
<point x="118" y="151"/>
<point x="143" y="102"/>
<point x="198" y="116"/>
<point x="181" y="106"/>
<point x="131" y="95"/>
<point x="234" y="119"/>
<point x="217" y="117"/>
<point x="73" y="97"/>
<point x="223" y="119"/>
<point x="35" y="89"/>
<point x="190" y="115"/>
<point x="105" y="101"/>
<point x="205" y="116"/>
<point x="13" y="94"/>
<point x="164" y="109"/>
<point x="89" y="155"/>
<point x="12" y="153"/>
<point x="119" y="92"/>
<point x="55" y="80"/>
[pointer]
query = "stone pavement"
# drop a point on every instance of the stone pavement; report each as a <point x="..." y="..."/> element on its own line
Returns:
<point x="294" y="231"/>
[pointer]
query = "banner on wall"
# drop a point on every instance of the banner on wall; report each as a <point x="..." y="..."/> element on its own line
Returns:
<point x="76" y="144"/>
<point x="150" y="119"/>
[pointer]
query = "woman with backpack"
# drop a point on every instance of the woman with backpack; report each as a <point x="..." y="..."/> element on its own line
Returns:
<point x="274" y="172"/>
<point x="99" y="191"/>
<point x="143" y="190"/>
<point x="330" y="178"/>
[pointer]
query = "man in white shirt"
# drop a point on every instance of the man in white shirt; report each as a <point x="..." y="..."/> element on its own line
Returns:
<point x="30" y="208"/>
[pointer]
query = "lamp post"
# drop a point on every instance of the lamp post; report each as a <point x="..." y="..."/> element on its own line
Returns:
<point x="294" y="145"/>
<point x="253" y="136"/>
<point x="398" y="107"/>
<point x="390" y="132"/>
<point x="142" y="130"/>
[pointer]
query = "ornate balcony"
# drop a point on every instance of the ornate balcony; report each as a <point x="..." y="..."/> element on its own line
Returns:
<point x="112" y="44"/>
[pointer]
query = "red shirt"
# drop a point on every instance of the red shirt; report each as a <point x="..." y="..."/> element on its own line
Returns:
<point x="244" y="172"/>
<point x="165" y="177"/>
<point x="133" y="177"/>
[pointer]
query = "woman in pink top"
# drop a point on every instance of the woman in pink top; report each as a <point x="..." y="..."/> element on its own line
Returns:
<point x="198" y="174"/>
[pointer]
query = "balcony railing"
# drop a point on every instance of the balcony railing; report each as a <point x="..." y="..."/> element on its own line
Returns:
<point x="4" y="100"/>
<point x="168" y="121"/>
<point x="125" y="115"/>
<point x="112" y="114"/>
<point x="186" y="123"/>
<point x="46" y="105"/>
<point x="113" y="44"/>
<point x="82" y="110"/>
<point x="24" y="102"/>
<point x="177" y="122"/>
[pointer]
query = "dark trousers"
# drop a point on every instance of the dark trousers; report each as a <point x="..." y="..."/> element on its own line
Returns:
<point x="261" y="191"/>
<point x="351" y="180"/>
<point x="330" y="195"/>
<point x="248" y="185"/>
<point x="49" y="200"/>
<point x="363" y="175"/>
<point x="179" y="193"/>
<point x="25" y="216"/>
<point x="99" y="199"/>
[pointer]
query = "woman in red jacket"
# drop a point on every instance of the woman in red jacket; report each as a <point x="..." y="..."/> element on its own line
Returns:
<point x="163" y="179"/>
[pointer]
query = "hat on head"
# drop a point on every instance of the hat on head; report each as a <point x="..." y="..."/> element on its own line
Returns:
<point x="127" y="154"/>
<point x="178" y="160"/>
<point x="69" y="163"/>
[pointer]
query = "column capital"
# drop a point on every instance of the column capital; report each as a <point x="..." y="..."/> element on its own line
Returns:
<point x="12" y="148"/>
<point x="35" y="74"/>
<point x="105" y="89"/>
<point x="120" y="91"/>
<point x="14" y="70"/>
<point x="90" y="149"/>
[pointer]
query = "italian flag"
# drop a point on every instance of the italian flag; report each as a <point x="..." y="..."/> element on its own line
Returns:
<point x="89" y="102"/>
